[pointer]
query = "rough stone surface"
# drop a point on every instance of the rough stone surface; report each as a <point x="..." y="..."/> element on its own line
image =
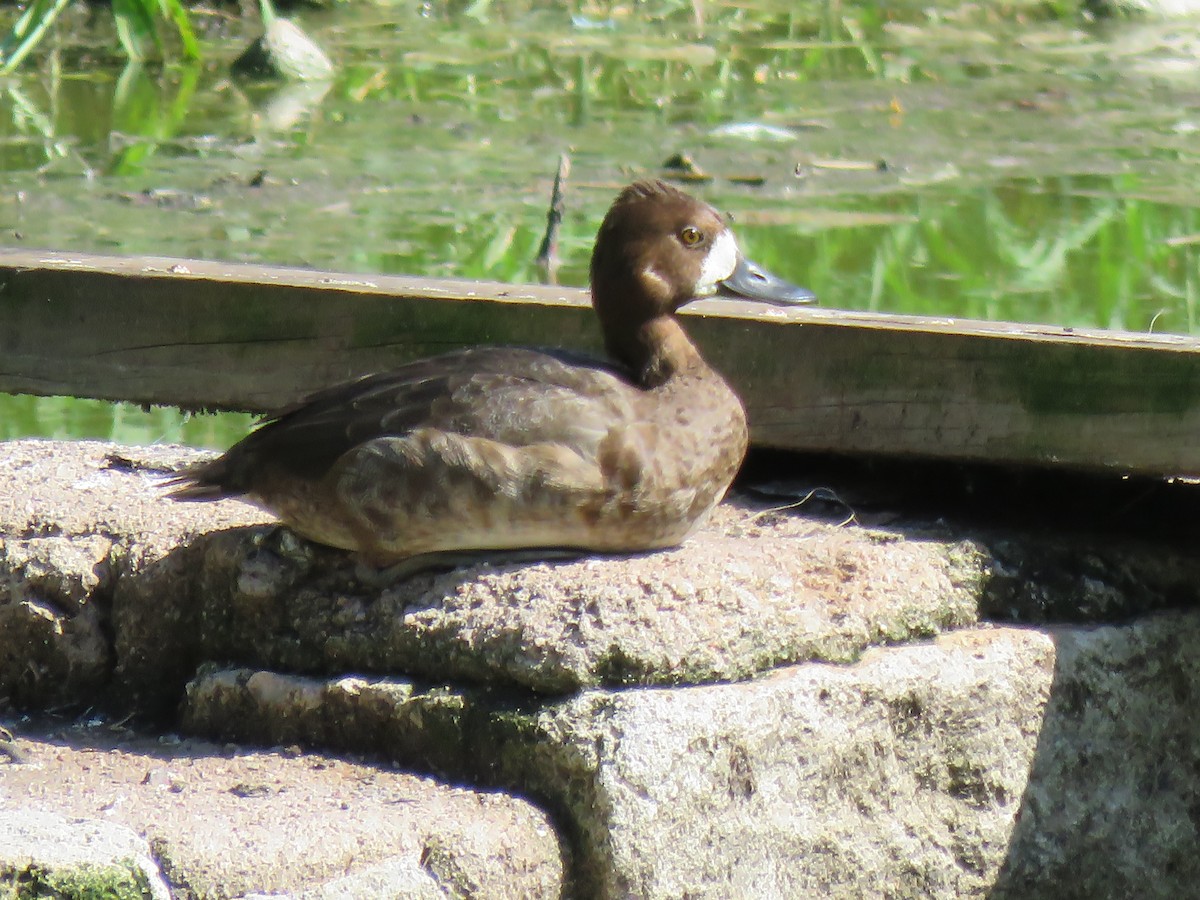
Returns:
<point x="74" y="488"/>
<point x="53" y="855"/>
<point x="175" y="584"/>
<point x="747" y="593"/>
<point x="414" y="725"/>
<point x="224" y="822"/>
<point x="76" y="518"/>
<point x="1006" y="763"/>
<point x="53" y="594"/>
<point x="1112" y="808"/>
<point x="1000" y="763"/>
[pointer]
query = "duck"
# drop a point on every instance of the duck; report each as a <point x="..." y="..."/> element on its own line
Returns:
<point x="489" y="449"/>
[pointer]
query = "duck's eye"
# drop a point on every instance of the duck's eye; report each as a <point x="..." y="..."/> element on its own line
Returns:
<point x="690" y="236"/>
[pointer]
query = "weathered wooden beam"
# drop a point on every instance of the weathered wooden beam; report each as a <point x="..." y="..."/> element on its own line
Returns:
<point x="215" y="335"/>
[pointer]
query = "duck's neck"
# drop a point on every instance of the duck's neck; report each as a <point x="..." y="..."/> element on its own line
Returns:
<point x="656" y="351"/>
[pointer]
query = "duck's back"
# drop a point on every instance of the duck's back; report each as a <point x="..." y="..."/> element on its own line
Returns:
<point x="490" y="448"/>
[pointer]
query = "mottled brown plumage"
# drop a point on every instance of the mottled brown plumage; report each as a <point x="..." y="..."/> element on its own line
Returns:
<point x="498" y="448"/>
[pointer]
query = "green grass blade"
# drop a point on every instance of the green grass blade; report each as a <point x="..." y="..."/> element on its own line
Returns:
<point x="135" y="27"/>
<point x="174" y="11"/>
<point x="28" y="31"/>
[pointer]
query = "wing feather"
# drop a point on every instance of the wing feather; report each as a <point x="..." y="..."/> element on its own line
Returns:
<point x="511" y="395"/>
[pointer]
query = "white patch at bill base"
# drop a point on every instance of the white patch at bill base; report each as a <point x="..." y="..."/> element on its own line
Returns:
<point x="719" y="263"/>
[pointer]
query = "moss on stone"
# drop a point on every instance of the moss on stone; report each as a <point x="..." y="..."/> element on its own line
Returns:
<point x="85" y="881"/>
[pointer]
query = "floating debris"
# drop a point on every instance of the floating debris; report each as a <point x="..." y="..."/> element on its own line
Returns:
<point x="584" y="23"/>
<point x="682" y="167"/>
<point x="748" y="180"/>
<point x="754" y="131"/>
<point x="166" y="198"/>
<point x="285" y="52"/>
<point x="823" y="219"/>
<point x="547" y="256"/>
<point x="1183" y="240"/>
<point x="946" y="172"/>
<point x="807" y="167"/>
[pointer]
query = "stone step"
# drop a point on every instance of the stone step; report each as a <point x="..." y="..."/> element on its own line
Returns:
<point x="101" y="809"/>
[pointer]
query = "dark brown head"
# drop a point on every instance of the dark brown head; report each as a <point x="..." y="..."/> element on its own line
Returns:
<point x="657" y="250"/>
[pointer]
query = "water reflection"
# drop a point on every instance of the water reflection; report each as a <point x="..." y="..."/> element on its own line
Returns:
<point x="1078" y="251"/>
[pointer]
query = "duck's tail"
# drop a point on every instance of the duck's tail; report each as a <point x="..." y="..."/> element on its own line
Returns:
<point x="204" y="481"/>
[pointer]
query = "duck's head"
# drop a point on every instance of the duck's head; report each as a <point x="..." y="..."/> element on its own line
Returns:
<point x="657" y="250"/>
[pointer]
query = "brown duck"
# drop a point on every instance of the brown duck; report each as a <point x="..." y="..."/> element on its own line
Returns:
<point x="506" y="448"/>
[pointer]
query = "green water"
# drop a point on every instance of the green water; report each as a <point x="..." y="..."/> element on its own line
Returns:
<point x="1007" y="164"/>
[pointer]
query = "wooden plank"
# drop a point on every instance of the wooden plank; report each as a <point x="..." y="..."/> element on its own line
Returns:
<point x="201" y="334"/>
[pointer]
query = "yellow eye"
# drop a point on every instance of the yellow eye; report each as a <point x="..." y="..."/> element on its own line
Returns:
<point x="690" y="236"/>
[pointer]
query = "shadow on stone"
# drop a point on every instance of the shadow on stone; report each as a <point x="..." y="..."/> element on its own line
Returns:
<point x="1111" y="808"/>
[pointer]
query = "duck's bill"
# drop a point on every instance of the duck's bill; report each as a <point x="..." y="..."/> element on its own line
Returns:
<point x="752" y="281"/>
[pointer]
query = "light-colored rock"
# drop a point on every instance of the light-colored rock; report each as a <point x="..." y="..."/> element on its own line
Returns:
<point x="754" y="588"/>
<point x="60" y="856"/>
<point x="284" y="51"/>
<point x="1003" y="762"/>
<point x="999" y="763"/>
<point x="403" y="877"/>
<point x="76" y="518"/>
<point x="737" y="599"/>
<point x="224" y="822"/>
<point x="899" y="776"/>
<point x="83" y="488"/>
<point x="1112" y="807"/>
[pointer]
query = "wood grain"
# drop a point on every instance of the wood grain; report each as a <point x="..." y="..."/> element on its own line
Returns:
<point x="202" y="334"/>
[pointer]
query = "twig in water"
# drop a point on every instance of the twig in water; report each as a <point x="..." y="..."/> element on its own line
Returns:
<point x="547" y="255"/>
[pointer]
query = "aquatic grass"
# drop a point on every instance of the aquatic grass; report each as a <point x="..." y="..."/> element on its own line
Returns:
<point x="140" y="111"/>
<point x="28" y="31"/>
<point x="146" y="112"/>
<point x="660" y="59"/>
<point x="30" y="119"/>
<point x="1047" y="255"/>
<point x="1003" y="252"/>
<point x="139" y="24"/>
